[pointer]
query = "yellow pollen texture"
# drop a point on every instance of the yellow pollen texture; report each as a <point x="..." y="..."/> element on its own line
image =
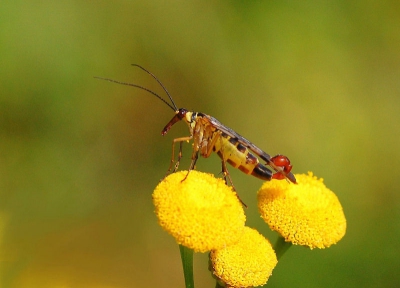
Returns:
<point x="248" y="263"/>
<point x="201" y="212"/>
<point x="307" y="214"/>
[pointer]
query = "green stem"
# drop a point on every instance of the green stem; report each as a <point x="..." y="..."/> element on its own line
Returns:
<point x="187" y="264"/>
<point x="281" y="246"/>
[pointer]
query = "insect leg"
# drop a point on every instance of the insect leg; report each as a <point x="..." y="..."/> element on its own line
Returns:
<point x="180" y="140"/>
<point x="197" y="135"/>
<point x="178" y="160"/>
<point x="221" y="153"/>
<point x="227" y="175"/>
<point x="209" y="148"/>
<point x="195" y="156"/>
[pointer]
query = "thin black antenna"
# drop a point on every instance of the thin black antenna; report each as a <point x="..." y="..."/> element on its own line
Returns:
<point x="144" y="88"/>
<point x="159" y="82"/>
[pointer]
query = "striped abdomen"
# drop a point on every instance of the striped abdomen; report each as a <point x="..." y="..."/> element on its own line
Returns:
<point x="237" y="155"/>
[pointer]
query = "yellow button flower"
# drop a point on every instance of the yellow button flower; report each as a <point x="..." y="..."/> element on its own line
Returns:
<point x="307" y="214"/>
<point x="201" y="212"/>
<point x="247" y="263"/>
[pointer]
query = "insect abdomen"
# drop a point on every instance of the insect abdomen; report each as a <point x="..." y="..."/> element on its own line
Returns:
<point x="262" y="172"/>
<point x="237" y="155"/>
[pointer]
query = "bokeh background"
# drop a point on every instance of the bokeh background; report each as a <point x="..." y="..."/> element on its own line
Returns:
<point x="79" y="157"/>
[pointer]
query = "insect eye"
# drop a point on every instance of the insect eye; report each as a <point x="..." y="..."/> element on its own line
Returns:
<point x="181" y="113"/>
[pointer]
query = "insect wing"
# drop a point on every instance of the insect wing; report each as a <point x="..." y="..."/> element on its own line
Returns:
<point x="263" y="155"/>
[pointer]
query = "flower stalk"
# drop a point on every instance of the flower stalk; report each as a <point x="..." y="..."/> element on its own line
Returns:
<point x="187" y="264"/>
<point x="281" y="246"/>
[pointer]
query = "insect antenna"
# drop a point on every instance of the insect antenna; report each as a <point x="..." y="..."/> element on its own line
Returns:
<point x="159" y="82"/>
<point x="144" y="88"/>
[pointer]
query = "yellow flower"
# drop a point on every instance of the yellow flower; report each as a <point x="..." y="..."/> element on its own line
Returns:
<point x="247" y="263"/>
<point x="306" y="214"/>
<point x="201" y="212"/>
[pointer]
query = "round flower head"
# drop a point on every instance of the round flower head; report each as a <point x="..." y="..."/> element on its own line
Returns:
<point x="201" y="212"/>
<point x="246" y="263"/>
<point x="306" y="214"/>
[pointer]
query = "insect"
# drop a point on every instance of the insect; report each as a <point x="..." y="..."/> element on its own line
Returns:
<point x="209" y="135"/>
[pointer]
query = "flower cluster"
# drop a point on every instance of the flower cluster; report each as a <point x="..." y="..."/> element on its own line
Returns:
<point x="307" y="214"/>
<point x="247" y="263"/>
<point x="204" y="214"/>
<point x="201" y="213"/>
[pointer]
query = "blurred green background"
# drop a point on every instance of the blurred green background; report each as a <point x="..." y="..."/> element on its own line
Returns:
<point x="79" y="158"/>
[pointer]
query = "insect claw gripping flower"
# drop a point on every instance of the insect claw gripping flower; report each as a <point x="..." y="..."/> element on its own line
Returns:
<point x="201" y="213"/>
<point x="307" y="214"/>
<point x="247" y="263"/>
